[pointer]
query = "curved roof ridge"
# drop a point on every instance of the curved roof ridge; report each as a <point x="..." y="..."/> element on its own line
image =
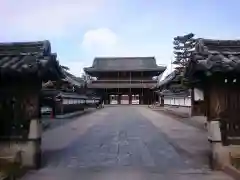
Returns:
<point x="42" y="48"/>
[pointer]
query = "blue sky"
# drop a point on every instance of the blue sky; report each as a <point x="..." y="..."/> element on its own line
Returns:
<point x="79" y="30"/>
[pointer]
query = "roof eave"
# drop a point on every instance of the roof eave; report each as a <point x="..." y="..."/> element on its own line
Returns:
<point x="157" y="69"/>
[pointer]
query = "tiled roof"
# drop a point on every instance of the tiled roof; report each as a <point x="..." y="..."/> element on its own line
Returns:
<point x="212" y="56"/>
<point x="71" y="95"/>
<point x="125" y="64"/>
<point x="31" y="58"/>
<point x="183" y="93"/>
<point x="40" y="48"/>
<point x="49" y="92"/>
<point x="171" y="78"/>
<point x="59" y="93"/>
<point x="76" y="81"/>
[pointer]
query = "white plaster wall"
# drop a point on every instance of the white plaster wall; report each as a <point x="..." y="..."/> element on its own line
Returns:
<point x="113" y="102"/>
<point x="188" y="102"/>
<point x="89" y="101"/>
<point x="181" y="102"/>
<point x="135" y="101"/>
<point x="124" y="101"/>
<point x="198" y="94"/>
<point x="177" y="101"/>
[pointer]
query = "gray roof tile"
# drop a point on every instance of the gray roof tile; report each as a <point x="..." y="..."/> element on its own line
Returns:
<point x="28" y="58"/>
<point x="24" y="48"/>
<point x="174" y="77"/>
<point x="124" y="64"/>
<point x="215" y="56"/>
<point x="180" y="93"/>
<point x="76" y="81"/>
<point x="72" y="95"/>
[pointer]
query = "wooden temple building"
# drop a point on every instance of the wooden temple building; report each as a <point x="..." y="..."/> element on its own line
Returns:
<point x="172" y="91"/>
<point x="215" y="69"/>
<point x="68" y="95"/>
<point x="31" y="77"/>
<point x="65" y="95"/>
<point x="23" y="68"/>
<point x="124" y="79"/>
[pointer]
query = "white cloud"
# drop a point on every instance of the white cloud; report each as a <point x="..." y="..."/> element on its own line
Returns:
<point x="100" y="41"/>
<point x="44" y="19"/>
<point x="30" y="20"/>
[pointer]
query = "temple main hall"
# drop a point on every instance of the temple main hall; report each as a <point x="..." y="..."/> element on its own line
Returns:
<point x="125" y="80"/>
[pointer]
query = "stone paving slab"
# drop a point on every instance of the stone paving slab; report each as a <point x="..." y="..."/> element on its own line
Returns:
<point x="122" y="174"/>
<point x="183" y="114"/>
<point x="179" y="133"/>
<point x="123" y="142"/>
<point x="50" y="123"/>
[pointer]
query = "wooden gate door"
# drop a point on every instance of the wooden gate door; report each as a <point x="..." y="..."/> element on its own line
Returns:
<point x="224" y="105"/>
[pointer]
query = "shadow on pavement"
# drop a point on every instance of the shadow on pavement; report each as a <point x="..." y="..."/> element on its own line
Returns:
<point x="51" y="123"/>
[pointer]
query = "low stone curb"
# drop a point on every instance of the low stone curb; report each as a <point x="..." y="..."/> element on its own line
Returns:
<point x="46" y="123"/>
<point x="70" y="115"/>
<point x="77" y="113"/>
<point x="232" y="171"/>
<point x="181" y="115"/>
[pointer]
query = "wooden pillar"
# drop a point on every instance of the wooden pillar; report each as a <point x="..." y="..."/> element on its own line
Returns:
<point x="106" y="97"/>
<point x="61" y="104"/>
<point x="130" y="93"/>
<point x="130" y="98"/>
<point x="54" y="108"/>
<point x="161" y="100"/>
<point x="154" y="97"/>
<point x="144" y="97"/>
<point x="119" y="98"/>
<point x="194" y="107"/>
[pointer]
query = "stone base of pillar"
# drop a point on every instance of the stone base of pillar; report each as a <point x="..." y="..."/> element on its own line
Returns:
<point x="31" y="154"/>
<point x="32" y="148"/>
<point x="220" y="155"/>
<point x="28" y="151"/>
<point x="29" y="148"/>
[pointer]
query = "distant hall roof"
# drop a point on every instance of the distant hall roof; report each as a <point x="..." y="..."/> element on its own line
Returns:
<point x="125" y="64"/>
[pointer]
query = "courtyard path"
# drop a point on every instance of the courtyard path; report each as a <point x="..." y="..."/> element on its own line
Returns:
<point x="125" y="142"/>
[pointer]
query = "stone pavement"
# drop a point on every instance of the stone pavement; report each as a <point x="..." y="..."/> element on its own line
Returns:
<point x="60" y="120"/>
<point x="180" y="111"/>
<point x="124" y="142"/>
<point x="183" y="114"/>
<point x="185" y="138"/>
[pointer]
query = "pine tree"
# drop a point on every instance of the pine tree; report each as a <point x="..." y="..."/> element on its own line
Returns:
<point x="183" y="46"/>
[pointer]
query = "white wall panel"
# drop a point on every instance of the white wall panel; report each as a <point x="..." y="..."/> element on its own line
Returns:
<point x="178" y="101"/>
